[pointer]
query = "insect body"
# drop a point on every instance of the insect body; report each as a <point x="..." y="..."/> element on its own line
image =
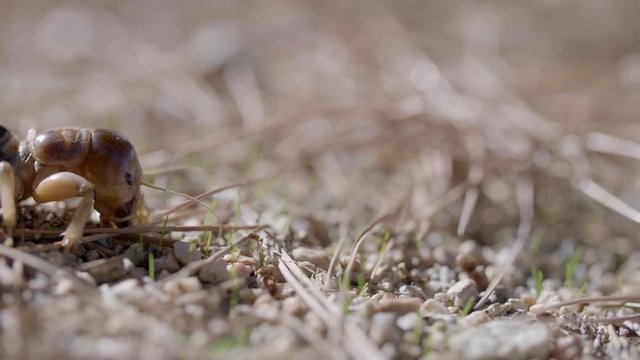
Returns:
<point x="98" y="165"/>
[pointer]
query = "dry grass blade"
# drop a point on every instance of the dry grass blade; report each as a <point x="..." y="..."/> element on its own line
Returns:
<point x="59" y="244"/>
<point x="189" y="197"/>
<point x="43" y="266"/>
<point x="604" y="197"/>
<point x="449" y="197"/>
<point x="311" y="337"/>
<point x="614" y="319"/>
<point x="476" y="173"/>
<point x="163" y="214"/>
<point x="343" y="237"/>
<point x="361" y="238"/>
<point x="354" y="340"/>
<point x="141" y="229"/>
<point x="525" y="193"/>
<point x="609" y="144"/>
<point x="30" y="260"/>
<point x="287" y="267"/>
<point x="541" y="309"/>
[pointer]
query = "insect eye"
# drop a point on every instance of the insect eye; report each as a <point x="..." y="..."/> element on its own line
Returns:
<point x="128" y="177"/>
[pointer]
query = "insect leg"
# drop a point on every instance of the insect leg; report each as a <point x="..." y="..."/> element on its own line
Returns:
<point x="7" y="195"/>
<point x="66" y="185"/>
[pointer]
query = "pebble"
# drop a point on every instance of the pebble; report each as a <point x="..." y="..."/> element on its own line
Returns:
<point x="245" y="260"/>
<point x="502" y="339"/>
<point x="266" y="310"/>
<point x="385" y="286"/>
<point x="383" y="328"/>
<point x="317" y="257"/>
<point x="128" y="289"/>
<point x="411" y="291"/>
<point x="181" y="286"/>
<point x="496" y="310"/>
<point x="294" y="306"/>
<point x="168" y="263"/>
<point x="138" y="273"/>
<point x="443" y="298"/>
<point x="128" y="265"/>
<point x="314" y="322"/>
<point x="92" y="255"/>
<point x="567" y="347"/>
<point x="272" y="272"/>
<point x="409" y="322"/>
<point x="184" y="252"/>
<point x="135" y="253"/>
<point x="63" y="287"/>
<point x="239" y="270"/>
<point x="399" y="306"/>
<point x="516" y="304"/>
<point x="247" y="296"/>
<point x="462" y="291"/>
<point x="432" y="308"/>
<point x="105" y="270"/>
<point x="476" y="318"/>
<point x="214" y="272"/>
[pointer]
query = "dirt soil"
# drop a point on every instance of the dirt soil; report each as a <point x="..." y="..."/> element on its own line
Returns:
<point x="401" y="180"/>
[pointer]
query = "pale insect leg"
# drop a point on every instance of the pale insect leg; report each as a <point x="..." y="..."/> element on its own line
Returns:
<point x="7" y="196"/>
<point x="66" y="185"/>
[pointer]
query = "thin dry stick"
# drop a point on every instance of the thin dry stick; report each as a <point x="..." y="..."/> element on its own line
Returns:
<point x="189" y="197"/>
<point x="42" y="265"/>
<point x="449" y="197"/>
<point x="354" y="340"/>
<point x="614" y="319"/>
<point x="140" y="229"/>
<point x="601" y="195"/>
<point x="587" y="300"/>
<point x="360" y="240"/>
<point x="525" y="194"/>
<point x="30" y="260"/>
<point x="59" y="244"/>
<point x="286" y="266"/>
<point x="344" y="236"/>
<point x="163" y="214"/>
<point x="475" y="145"/>
<point x="383" y="254"/>
<point x="608" y="144"/>
<point x="314" y="339"/>
<point x="476" y="173"/>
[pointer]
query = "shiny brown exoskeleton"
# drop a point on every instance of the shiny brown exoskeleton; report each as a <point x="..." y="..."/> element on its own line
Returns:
<point x="99" y="165"/>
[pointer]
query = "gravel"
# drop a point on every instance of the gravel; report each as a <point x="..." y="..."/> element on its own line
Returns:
<point x="503" y="339"/>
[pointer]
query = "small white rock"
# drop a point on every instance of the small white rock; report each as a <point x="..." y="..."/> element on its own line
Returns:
<point x="462" y="291"/>
<point x="432" y="307"/>
<point x="239" y="270"/>
<point x="214" y="272"/>
<point x="182" y="286"/>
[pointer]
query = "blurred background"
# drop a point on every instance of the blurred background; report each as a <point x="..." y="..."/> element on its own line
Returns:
<point x="460" y="119"/>
<point x="359" y="105"/>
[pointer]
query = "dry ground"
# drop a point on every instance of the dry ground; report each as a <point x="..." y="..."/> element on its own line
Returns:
<point x="427" y="179"/>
